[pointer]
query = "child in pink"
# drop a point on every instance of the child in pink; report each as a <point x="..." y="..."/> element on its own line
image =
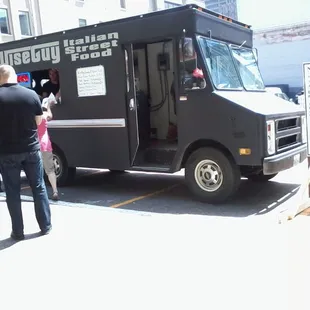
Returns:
<point x="47" y="150"/>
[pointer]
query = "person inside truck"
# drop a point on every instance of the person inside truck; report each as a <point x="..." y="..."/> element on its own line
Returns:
<point x="192" y="75"/>
<point x="52" y="86"/>
<point x="192" y="80"/>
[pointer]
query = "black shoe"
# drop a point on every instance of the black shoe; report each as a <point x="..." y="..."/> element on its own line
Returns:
<point x="17" y="237"/>
<point x="55" y="196"/>
<point x="46" y="231"/>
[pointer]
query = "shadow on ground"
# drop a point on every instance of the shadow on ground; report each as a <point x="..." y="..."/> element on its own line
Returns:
<point x="8" y="242"/>
<point x="109" y="189"/>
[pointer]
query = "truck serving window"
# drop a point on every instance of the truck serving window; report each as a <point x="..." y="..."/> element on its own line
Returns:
<point x="220" y="64"/>
<point x="248" y="68"/>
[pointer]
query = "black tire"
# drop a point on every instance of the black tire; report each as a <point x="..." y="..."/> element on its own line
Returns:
<point x="64" y="174"/>
<point x="230" y="175"/>
<point x="261" y="178"/>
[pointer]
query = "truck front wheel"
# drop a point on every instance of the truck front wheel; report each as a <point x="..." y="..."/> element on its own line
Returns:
<point x="211" y="175"/>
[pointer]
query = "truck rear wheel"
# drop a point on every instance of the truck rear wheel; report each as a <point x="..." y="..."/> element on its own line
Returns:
<point x="261" y="177"/>
<point x="64" y="174"/>
<point x="211" y="176"/>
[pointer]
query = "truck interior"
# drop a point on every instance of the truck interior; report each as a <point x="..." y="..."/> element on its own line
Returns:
<point x="39" y="79"/>
<point x="156" y="102"/>
<point x="34" y="80"/>
<point x="157" y="115"/>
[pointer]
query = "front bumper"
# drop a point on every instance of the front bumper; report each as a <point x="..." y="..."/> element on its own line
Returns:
<point x="284" y="161"/>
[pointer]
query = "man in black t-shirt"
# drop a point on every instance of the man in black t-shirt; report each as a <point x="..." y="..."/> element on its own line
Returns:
<point x="20" y="113"/>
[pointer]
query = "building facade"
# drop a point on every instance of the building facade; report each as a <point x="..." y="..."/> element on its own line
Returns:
<point x="281" y="52"/>
<point x="24" y="18"/>
<point x="281" y="35"/>
<point x="225" y="7"/>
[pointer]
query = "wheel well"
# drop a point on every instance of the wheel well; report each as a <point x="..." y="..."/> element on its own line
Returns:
<point x="204" y="143"/>
<point x="59" y="150"/>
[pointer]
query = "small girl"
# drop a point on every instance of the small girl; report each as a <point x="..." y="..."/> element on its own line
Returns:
<point x="46" y="148"/>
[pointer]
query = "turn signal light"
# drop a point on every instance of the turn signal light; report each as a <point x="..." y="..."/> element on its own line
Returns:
<point x="243" y="151"/>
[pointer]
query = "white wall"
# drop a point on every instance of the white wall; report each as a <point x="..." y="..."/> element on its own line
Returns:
<point x="58" y="15"/>
<point x="281" y="63"/>
<point x="282" y="52"/>
<point x="47" y="16"/>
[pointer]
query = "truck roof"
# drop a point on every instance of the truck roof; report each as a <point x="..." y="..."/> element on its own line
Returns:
<point x="190" y="17"/>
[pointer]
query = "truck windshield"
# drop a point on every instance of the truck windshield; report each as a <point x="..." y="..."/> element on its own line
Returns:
<point x="248" y="68"/>
<point x="222" y="66"/>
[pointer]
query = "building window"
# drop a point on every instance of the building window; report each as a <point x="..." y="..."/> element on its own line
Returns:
<point x="169" y="5"/>
<point x="82" y="22"/>
<point x="4" y="21"/>
<point x="123" y="4"/>
<point x="24" y="22"/>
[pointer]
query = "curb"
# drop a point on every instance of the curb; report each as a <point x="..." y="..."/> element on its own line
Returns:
<point x="301" y="199"/>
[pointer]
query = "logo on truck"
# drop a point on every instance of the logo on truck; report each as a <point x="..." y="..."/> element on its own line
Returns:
<point x="91" y="46"/>
<point x="87" y="47"/>
<point x="46" y="52"/>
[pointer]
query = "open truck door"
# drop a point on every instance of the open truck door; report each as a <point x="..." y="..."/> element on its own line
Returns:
<point x="131" y="101"/>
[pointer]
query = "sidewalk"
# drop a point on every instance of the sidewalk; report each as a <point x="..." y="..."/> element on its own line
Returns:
<point x="109" y="259"/>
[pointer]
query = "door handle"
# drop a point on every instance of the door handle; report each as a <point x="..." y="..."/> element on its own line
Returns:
<point x="131" y="104"/>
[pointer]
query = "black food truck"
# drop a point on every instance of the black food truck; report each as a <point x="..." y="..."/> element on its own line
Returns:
<point x="178" y="88"/>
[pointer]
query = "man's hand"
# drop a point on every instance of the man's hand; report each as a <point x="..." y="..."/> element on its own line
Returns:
<point x="58" y="95"/>
<point x="38" y="119"/>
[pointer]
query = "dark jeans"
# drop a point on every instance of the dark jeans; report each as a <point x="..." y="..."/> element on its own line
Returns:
<point x="11" y="166"/>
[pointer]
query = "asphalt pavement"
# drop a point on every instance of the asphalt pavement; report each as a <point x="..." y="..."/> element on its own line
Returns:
<point x="168" y="194"/>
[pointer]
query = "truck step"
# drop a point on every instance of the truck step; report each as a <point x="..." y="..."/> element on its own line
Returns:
<point x="151" y="168"/>
<point x="159" y="156"/>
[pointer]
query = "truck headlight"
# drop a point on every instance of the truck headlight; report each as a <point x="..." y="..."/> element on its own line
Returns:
<point x="271" y="137"/>
<point x="303" y="129"/>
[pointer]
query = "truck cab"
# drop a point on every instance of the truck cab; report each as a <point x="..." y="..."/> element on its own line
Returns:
<point x="240" y="129"/>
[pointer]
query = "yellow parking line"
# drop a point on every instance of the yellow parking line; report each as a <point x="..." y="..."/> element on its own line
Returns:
<point x="126" y="202"/>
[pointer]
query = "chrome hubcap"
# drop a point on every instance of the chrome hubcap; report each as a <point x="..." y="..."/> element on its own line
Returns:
<point x="208" y="175"/>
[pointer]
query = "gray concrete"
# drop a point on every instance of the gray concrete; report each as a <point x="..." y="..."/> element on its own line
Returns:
<point x="109" y="259"/>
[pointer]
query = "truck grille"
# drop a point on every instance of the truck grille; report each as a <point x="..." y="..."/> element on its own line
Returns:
<point x="289" y="123"/>
<point x="288" y="133"/>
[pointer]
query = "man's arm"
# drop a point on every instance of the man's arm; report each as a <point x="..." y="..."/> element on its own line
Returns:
<point x="38" y="112"/>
